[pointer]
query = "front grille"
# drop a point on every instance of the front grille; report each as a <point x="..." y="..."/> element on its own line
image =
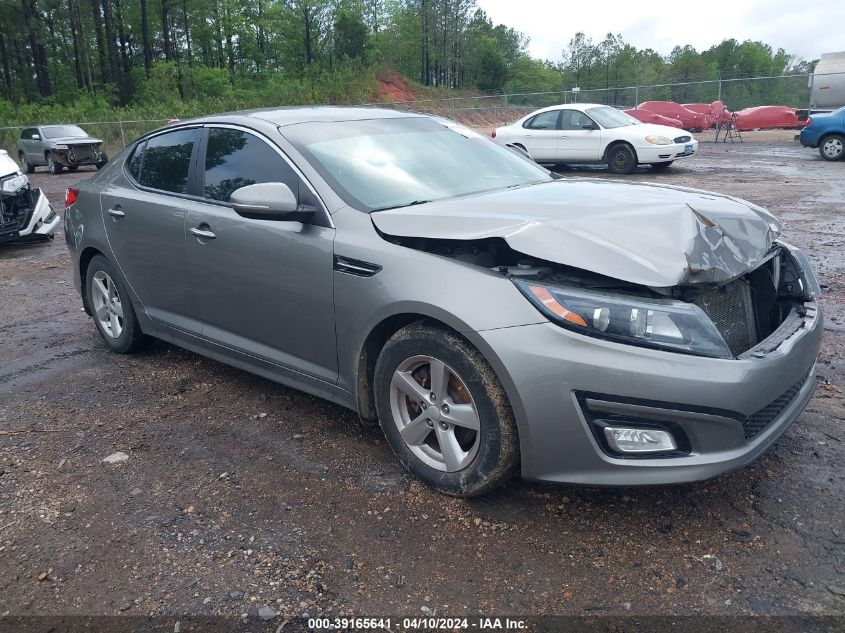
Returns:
<point x="756" y="422"/>
<point x="683" y="139"/>
<point x="731" y="311"/>
<point x="82" y="152"/>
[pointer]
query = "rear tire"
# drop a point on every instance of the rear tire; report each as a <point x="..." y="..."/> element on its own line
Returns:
<point x="111" y="307"/>
<point x="832" y="147"/>
<point x="456" y="433"/>
<point x="26" y="166"/>
<point x="53" y="166"/>
<point x="621" y="159"/>
<point x="661" y="166"/>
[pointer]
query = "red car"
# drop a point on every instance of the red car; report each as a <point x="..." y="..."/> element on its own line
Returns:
<point x="647" y="116"/>
<point x="690" y="120"/>
<point x="767" y="117"/>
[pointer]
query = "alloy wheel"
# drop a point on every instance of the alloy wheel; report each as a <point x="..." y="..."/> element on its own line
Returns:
<point x="833" y="148"/>
<point x="108" y="309"/>
<point x="435" y="413"/>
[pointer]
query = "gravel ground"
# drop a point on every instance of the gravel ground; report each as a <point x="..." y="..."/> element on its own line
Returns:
<point x="240" y="494"/>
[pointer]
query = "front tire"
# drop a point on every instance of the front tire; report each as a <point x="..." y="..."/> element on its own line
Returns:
<point x="26" y="166"/>
<point x="53" y="166"/>
<point x="832" y="147"/>
<point x="103" y="160"/>
<point x="111" y="307"/>
<point x="621" y="159"/>
<point x="444" y="412"/>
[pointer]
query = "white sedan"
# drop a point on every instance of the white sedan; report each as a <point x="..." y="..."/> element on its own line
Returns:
<point x="594" y="133"/>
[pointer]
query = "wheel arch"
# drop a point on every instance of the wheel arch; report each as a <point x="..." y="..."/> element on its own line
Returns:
<point x="88" y="253"/>
<point x="616" y="142"/>
<point x="387" y="327"/>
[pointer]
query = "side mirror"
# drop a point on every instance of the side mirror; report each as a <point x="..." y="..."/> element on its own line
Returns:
<point x="268" y="201"/>
<point x="36" y="137"/>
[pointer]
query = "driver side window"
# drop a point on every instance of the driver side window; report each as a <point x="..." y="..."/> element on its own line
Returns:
<point x="235" y="159"/>
<point x="574" y="120"/>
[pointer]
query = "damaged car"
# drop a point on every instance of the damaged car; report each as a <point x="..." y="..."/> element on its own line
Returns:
<point x="58" y="147"/>
<point x="491" y="318"/>
<point x="25" y="212"/>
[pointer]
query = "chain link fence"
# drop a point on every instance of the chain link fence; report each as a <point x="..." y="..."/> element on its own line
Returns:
<point x="491" y="110"/>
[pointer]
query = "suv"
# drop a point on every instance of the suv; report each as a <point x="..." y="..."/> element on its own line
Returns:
<point x="57" y="147"/>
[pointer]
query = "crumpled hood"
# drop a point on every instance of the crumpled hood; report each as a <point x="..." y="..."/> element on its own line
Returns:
<point x="75" y="140"/>
<point x="642" y="233"/>
<point x="8" y="167"/>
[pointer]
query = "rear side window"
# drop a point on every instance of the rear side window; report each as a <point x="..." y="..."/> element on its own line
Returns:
<point x="543" y="121"/>
<point x="167" y="160"/>
<point x="136" y="160"/>
<point x="235" y="159"/>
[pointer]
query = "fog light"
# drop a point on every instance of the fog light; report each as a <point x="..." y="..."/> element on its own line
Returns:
<point x="627" y="440"/>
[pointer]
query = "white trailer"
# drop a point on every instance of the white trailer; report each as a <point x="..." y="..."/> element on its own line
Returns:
<point x="827" y="87"/>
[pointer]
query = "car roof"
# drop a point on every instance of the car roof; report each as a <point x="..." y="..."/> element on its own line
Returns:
<point x="569" y="106"/>
<point x="308" y="114"/>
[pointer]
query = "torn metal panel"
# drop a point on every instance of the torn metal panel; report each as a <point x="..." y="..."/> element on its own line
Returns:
<point x="649" y="234"/>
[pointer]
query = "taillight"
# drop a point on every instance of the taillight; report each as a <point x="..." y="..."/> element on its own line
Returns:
<point x="809" y="121"/>
<point x="493" y="133"/>
<point x="71" y="195"/>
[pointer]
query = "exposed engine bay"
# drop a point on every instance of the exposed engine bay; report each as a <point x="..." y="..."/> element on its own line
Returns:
<point x="25" y="213"/>
<point x="744" y="311"/>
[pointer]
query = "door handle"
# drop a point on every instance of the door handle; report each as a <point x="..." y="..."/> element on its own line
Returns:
<point x="205" y="234"/>
<point x="115" y="212"/>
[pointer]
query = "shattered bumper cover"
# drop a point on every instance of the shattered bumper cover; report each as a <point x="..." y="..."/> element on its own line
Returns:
<point x="726" y="412"/>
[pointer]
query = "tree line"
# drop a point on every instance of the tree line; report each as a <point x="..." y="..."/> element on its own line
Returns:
<point x="261" y="52"/>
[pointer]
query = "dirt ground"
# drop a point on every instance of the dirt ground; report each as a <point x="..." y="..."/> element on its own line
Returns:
<point x="240" y="493"/>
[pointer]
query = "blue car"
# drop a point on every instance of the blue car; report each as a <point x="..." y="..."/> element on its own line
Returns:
<point x="827" y="132"/>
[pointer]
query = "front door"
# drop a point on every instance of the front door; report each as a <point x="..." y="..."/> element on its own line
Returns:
<point x="264" y="287"/>
<point x="580" y="138"/>
<point x="144" y="215"/>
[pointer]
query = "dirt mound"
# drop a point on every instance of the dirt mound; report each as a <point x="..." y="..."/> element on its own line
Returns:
<point x="394" y="87"/>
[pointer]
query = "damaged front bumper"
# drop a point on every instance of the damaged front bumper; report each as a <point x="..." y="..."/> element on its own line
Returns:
<point x="27" y="216"/>
<point x="78" y="155"/>
<point x="723" y="413"/>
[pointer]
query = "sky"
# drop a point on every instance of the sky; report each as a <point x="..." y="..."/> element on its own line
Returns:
<point x="801" y="28"/>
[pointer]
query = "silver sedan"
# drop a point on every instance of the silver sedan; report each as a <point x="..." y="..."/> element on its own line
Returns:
<point x="492" y="318"/>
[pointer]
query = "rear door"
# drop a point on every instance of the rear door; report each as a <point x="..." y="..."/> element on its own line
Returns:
<point x="540" y="136"/>
<point x="144" y="214"/>
<point x="577" y="142"/>
<point x="264" y="287"/>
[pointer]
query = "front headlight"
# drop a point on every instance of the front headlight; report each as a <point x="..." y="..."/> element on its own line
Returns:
<point x="660" y="323"/>
<point x="659" y="140"/>
<point x="59" y="146"/>
<point x="14" y="184"/>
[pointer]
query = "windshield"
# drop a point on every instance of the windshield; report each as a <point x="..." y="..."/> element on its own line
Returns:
<point x="387" y="163"/>
<point x="610" y="118"/>
<point x="62" y="131"/>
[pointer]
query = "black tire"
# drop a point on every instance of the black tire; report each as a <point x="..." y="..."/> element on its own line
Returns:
<point x="73" y="168"/>
<point x="661" y="166"/>
<point x="131" y="336"/>
<point x="26" y="166"/>
<point x="52" y="166"/>
<point x="497" y="454"/>
<point x="832" y="147"/>
<point x="621" y="159"/>
<point x="103" y="161"/>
